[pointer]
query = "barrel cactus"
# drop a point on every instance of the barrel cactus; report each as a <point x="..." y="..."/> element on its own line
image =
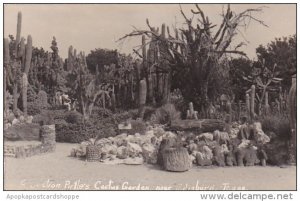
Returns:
<point x="176" y="159"/>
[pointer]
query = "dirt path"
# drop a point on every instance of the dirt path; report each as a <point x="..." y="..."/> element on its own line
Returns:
<point x="56" y="171"/>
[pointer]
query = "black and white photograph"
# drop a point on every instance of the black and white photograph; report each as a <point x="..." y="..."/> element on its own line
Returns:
<point x="149" y="97"/>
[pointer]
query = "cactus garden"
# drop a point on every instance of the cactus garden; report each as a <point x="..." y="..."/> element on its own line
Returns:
<point x="186" y="102"/>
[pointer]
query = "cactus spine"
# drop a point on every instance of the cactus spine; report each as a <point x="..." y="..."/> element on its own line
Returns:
<point x="142" y="98"/>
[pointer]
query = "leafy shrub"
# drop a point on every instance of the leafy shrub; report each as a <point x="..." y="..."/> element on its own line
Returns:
<point x="44" y="118"/>
<point x="278" y="129"/>
<point x="73" y="117"/>
<point x="23" y="132"/>
<point x="33" y="109"/>
<point x="276" y="124"/>
<point x="178" y="101"/>
<point x="95" y="127"/>
<point x="166" y="114"/>
<point x="101" y="112"/>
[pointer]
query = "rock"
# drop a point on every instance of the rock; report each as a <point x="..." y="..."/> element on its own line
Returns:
<point x="85" y="143"/>
<point x="234" y="132"/>
<point x="221" y="137"/>
<point x="80" y="151"/>
<point x="224" y="149"/>
<point x="133" y="149"/>
<point x="122" y="152"/>
<point x="109" y="161"/>
<point x="21" y="118"/>
<point x="109" y="149"/>
<point x="73" y="152"/>
<point x="122" y="135"/>
<point x="206" y="136"/>
<point x="259" y="134"/>
<point x="197" y="126"/>
<point x="121" y="140"/>
<point x="103" y="141"/>
<point x="149" y="152"/>
<point x="202" y="160"/>
<point x="244" y="144"/>
<point x="125" y="126"/>
<point x="149" y="132"/>
<point x="192" y="147"/>
<point x="169" y="135"/>
<point x="193" y="159"/>
<point x="15" y="121"/>
<point x="10" y="117"/>
<point x="7" y="125"/>
<point x="134" y="161"/>
<point x="147" y="137"/>
<point x="134" y="139"/>
<point x="207" y="152"/>
<point x="29" y="119"/>
<point x="158" y="131"/>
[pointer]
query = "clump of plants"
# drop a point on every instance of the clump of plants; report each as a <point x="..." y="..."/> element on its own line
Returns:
<point x="166" y="114"/>
<point x="277" y="124"/>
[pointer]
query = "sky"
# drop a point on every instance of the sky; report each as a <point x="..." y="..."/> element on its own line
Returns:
<point x="90" y="26"/>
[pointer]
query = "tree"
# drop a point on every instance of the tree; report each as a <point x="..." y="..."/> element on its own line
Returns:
<point x="193" y="55"/>
<point x="283" y="53"/>
<point x="240" y="68"/>
<point x="101" y="57"/>
<point x="85" y="85"/>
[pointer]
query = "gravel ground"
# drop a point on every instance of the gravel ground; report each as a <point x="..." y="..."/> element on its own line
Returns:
<point x="57" y="171"/>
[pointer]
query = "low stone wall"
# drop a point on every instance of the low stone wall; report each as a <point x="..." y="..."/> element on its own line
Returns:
<point x="22" y="149"/>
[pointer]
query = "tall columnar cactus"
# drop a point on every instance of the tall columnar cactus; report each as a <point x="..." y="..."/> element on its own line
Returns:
<point x="70" y="58"/>
<point x="21" y="50"/>
<point x="18" y="35"/>
<point x="6" y="63"/>
<point x="252" y="102"/>
<point x="267" y="106"/>
<point x="144" y="54"/>
<point x="24" y="92"/>
<point x="22" y="61"/>
<point x="16" y="66"/>
<point x="191" y="113"/>
<point x="28" y="56"/>
<point x="293" y="121"/>
<point x="248" y="104"/>
<point x="142" y="98"/>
